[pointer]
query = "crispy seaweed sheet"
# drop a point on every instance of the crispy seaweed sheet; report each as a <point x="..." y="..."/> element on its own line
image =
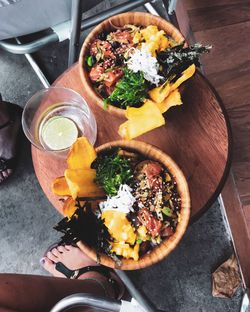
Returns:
<point x="85" y="226"/>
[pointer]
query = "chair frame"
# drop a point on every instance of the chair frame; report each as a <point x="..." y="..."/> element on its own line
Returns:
<point x="72" y="29"/>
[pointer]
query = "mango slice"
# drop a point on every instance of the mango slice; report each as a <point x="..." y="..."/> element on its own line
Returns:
<point x="124" y="250"/>
<point x="160" y="93"/>
<point x="119" y="227"/>
<point x="69" y="207"/>
<point x="81" y="154"/>
<point x="60" y="187"/>
<point x="155" y="39"/>
<point x="141" y="120"/>
<point x="81" y="183"/>
<point x="186" y="74"/>
<point x="173" y="99"/>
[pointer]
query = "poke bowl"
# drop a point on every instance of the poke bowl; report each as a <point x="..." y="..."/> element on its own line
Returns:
<point x="121" y="42"/>
<point x="130" y="201"/>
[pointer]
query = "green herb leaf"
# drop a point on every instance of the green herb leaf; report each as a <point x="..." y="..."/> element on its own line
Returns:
<point x="111" y="171"/>
<point x="90" y="60"/>
<point x="139" y="241"/>
<point x="167" y="211"/>
<point x="131" y="90"/>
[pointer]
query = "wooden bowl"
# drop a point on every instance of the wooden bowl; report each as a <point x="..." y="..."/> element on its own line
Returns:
<point x="167" y="245"/>
<point x="135" y="18"/>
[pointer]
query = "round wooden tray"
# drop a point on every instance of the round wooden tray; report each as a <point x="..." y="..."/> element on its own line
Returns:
<point x="196" y="135"/>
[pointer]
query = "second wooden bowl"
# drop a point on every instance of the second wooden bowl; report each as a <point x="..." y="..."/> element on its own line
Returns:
<point x="135" y="18"/>
<point x="167" y="245"/>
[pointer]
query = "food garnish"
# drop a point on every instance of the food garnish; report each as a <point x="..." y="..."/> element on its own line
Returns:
<point x="133" y="64"/>
<point x="143" y="61"/>
<point x="122" y="202"/>
<point x="130" y="204"/>
<point x="178" y="58"/>
<point x="131" y="90"/>
<point x="141" y="120"/>
<point x="112" y="171"/>
<point x="79" y="177"/>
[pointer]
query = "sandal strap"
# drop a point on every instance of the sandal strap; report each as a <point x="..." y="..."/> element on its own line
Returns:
<point x="14" y="110"/>
<point x="6" y="164"/>
<point x="74" y="274"/>
<point x="9" y="122"/>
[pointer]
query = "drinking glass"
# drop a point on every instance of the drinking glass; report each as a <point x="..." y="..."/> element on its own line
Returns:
<point x="57" y="109"/>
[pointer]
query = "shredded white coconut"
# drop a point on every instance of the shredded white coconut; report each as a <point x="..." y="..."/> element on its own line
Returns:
<point x="122" y="202"/>
<point x="142" y="60"/>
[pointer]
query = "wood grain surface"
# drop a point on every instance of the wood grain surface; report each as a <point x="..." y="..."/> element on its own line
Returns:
<point x="226" y="25"/>
<point x="195" y="136"/>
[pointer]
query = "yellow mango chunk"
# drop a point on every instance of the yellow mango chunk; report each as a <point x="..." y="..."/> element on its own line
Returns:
<point x="141" y="120"/>
<point x="186" y="74"/>
<point x="164" y="43"/>
<point x="142" y="233"/>
<point x="149" y="31"/>
<point x="124" y="250"/>
<point x="69" y="207"/>
<point x="81" y="154"/>
<point x="60" y="187"/>
<point x="173" y="99"/>
<point x="81" y="183"/>
<point x="158" y="94"/>
<point x="155" y="39"/>
<point x="118" y="226"/>
<point x="145" y="109"/>
<point x="137" y="37"/>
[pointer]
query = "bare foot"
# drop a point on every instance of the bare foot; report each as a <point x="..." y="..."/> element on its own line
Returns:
<point x="10" y="122"/>
<point x="72" y="257"/>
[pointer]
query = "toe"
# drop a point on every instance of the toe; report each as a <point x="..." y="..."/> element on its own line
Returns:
<point x="9" y="171"/>
<point x="47" y="264"/>
<point x="69" y="247"/>
<point x="50" y="267"/>
<point x="5" y="174"/>
<point x="52" y="257"/>
<point x="56" y="252"/>
<point x="62" y="249"/>
<point x="1" y="177"/>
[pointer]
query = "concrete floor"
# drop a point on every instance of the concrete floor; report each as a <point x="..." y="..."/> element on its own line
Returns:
<point x="180" y="283"/>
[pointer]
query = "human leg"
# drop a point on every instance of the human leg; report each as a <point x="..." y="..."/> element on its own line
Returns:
<point x="29" y="293"/>
<point x="73" y="259"/>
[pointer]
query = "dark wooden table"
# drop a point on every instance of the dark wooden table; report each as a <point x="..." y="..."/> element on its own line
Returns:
<point x="196" y="136"/>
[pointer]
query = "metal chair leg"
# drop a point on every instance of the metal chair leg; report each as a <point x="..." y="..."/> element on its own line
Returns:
<point x="87" y="300"/>
<point x="76" y="16"/>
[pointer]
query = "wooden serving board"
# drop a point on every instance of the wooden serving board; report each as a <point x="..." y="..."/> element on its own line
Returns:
<point x="196" y="135"/>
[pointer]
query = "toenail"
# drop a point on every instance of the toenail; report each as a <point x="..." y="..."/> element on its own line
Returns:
<point x="42" y="261"/>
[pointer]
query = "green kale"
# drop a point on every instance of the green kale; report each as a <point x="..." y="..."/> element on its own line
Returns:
<point x="130" y="90"/>
<point x="112" y="170"/>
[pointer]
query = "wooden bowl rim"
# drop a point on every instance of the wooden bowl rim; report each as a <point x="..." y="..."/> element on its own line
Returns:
<point x="167" y="245"/>
<point x="98" y="100"/>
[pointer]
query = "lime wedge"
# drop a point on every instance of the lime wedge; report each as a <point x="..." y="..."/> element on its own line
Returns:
<point x="59" y="133"/>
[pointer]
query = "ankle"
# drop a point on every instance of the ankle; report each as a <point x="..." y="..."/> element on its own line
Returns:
<point x="101" y="281"/>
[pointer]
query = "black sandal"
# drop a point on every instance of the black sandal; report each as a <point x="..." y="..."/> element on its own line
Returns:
<point x="14" y="112"/>
<point x="74" y="274"/>
<point x="7" y="163"/>
<point x="118" y="287"/>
